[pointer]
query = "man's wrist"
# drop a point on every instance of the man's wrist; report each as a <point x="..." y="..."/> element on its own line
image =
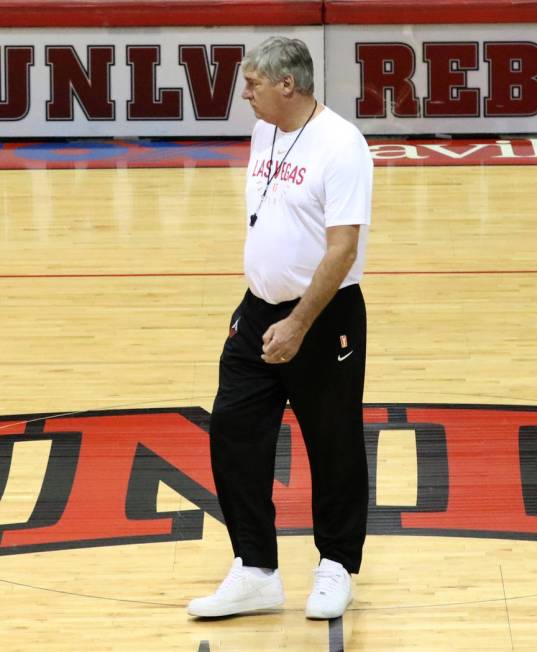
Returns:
<point x="300" y="321"/>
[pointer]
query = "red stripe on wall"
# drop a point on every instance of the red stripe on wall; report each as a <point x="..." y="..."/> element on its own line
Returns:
<point x="162" y="13"/>
<point x="138" y="13"/>
<point x="412" y="12"/>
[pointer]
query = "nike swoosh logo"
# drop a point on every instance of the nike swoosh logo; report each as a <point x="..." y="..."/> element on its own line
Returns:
<point x="340" y="357"/>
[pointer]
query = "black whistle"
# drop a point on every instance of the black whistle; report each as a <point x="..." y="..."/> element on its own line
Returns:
<point x="253" y="219"/>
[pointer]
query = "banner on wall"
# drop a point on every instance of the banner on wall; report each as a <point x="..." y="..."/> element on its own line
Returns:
<point x="434" y="79"/>
<point x="132" y="82"/>
<point x="186" y="82"/>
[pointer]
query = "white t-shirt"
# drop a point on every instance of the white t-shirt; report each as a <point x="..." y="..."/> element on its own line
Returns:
<point x="325" y="181"/>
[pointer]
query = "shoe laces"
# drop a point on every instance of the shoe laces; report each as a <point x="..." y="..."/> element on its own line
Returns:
<point x="327" y="581"/>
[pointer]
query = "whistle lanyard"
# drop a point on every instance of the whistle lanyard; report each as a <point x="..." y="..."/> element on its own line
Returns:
<point x="277" y="168"/>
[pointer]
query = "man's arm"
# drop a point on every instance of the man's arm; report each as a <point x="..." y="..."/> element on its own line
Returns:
<point x="282" y="340"/>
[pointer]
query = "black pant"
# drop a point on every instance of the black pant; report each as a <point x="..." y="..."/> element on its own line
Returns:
<point x="324" y="385"/>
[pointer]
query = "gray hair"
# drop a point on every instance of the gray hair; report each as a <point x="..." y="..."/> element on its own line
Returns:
<point x="278" y="57"/>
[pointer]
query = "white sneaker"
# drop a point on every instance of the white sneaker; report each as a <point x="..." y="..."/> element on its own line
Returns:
<point x="240" y="592"/>
<point x="332" y="591"/>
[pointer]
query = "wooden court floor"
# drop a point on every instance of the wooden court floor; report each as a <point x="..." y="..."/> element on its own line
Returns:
<point x="116" y="291"/>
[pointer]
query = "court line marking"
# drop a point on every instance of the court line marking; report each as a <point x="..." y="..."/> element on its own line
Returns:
<point x="444" y="605"/>
<point x="86" y="595"/>
<point x="117" y="406"/>
<point x="401" y="607"/>
<point x="507" y="609"/>
<point x="469" y="272"/>
<point x="335" y="635"/>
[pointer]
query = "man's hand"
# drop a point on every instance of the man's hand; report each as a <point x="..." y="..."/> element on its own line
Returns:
<point x="282" y="341"/>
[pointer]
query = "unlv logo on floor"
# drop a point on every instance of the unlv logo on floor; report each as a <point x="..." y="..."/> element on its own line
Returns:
<point x="476" y="475"/>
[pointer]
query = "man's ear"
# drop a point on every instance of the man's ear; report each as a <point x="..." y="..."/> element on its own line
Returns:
<point x="288" y="85"/>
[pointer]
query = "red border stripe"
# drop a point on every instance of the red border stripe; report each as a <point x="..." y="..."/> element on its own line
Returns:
<point x="150" y="13"/>
<point x="161" y="13"/>
<point x="145" y="153"/>
<point x="412" y="12"/>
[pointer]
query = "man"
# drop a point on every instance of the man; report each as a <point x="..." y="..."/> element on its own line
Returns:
<point x="298" y="335"/>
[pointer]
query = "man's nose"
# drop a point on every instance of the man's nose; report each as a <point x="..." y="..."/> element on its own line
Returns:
<point x="246" y="93"/>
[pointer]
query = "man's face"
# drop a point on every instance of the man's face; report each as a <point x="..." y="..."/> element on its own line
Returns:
<point x="265" y="97"/>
